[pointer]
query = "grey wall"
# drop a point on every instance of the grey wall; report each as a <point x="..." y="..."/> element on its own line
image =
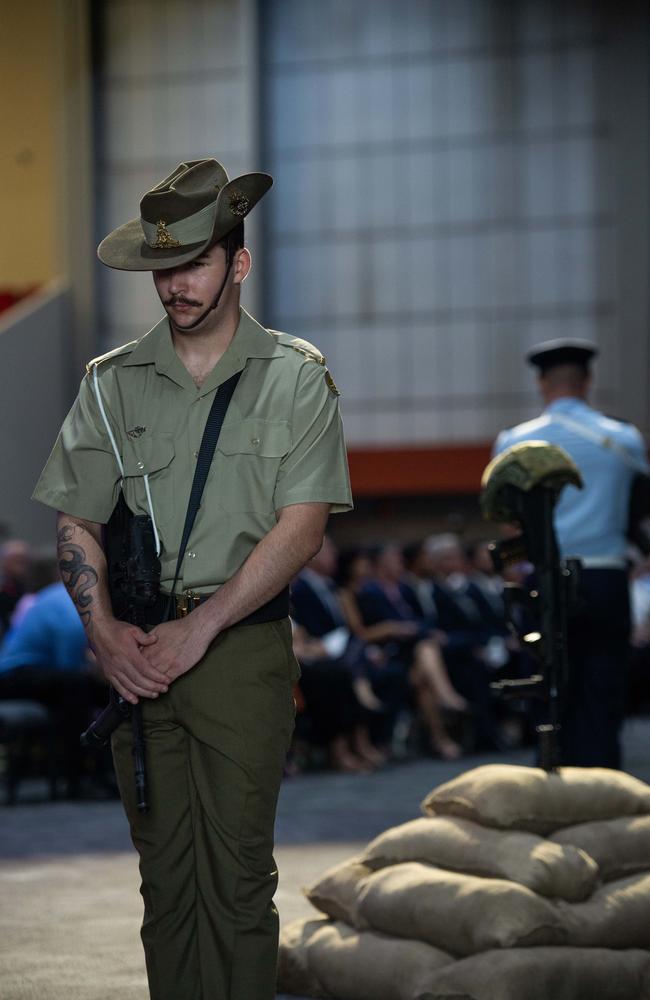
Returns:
<point x="456" y="181"/>
<point x="178" y="81"/>
<point x="36" y="390"/>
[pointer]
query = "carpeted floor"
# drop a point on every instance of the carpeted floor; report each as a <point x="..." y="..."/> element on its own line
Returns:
<point x="70" y="909"/>
<point x="69" y="926"/>
<point x="69" y="929"/>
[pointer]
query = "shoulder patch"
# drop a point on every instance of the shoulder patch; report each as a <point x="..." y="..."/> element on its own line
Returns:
<point x="303" y="347"/>
<point x="331" y="384"/>
<point x="124" y="349"/>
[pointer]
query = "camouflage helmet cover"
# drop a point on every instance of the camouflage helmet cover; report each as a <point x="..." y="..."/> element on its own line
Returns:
<point x="525" y="466"/>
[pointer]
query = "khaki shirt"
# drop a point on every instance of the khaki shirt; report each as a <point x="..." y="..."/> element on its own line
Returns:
<point x="281" y="443"/>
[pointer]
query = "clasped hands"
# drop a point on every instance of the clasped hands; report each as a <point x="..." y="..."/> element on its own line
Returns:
<point x="142" y="664"/>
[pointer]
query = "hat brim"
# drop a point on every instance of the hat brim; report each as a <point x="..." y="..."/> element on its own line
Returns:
<point x="562" y="352"/>
<point x="126" y="249"/>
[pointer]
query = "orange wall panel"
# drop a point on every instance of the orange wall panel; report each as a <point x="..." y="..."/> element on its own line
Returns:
<point x="418" y="470"/>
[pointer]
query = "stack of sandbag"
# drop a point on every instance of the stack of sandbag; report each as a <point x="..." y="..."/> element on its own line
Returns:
<point x="515" y="884"/>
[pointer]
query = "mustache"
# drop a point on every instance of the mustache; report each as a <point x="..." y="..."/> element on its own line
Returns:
<point x="181" y="300"/>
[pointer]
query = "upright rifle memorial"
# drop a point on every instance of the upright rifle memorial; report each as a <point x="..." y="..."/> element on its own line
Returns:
<point x="521" y="487"/>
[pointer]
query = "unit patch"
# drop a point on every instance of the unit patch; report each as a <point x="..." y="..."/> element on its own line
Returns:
<point x="331" y="384"/>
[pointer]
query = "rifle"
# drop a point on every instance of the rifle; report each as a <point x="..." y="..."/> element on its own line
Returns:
<point x="522" y="486"/>
<point x="134" y="576"/>
<point x="133" y="582"/>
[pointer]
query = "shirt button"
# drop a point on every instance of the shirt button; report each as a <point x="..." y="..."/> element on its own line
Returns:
<point x="141" y="465"/>
<point x="255" y="442"/>
<point x="191" y="555"/>
<point x="196" y="454"/>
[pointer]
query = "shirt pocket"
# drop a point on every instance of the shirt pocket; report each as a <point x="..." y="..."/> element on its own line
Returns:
<point x="151" y="456"/>
<point x="249" y="454"/>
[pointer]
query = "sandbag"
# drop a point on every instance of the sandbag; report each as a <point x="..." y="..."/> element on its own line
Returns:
<point x="460" y="845"/>
<point x="509" y="796"/>
<point x="618" y="846"/>
<point x="545" y="973"/>
<point x="616" y="916"/>
<point x="294" y="975"/>
<point x="353" y="965"/>
<point x="335" y="892"/>
<point x="461" y="914"/>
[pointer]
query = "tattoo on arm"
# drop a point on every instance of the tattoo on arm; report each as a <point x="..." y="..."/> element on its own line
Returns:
<point x="78" y="576"/>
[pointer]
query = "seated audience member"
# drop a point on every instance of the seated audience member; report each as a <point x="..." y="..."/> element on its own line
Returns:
<point x="45" y="658"/>
<point x="15" y="564"/>
<point x="333" y="682"/>
<point x="463" y="611"/>
<point x="456" y="609"/>
<point x="387" y="682"/>
<point x="42" y="572"/>
<point x="388" y="616"/>
<point x="485" y="588"/>
<point x="437" y="575"/>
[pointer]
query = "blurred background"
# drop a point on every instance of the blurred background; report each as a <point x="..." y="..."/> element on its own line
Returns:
<point x="455" y="181"/>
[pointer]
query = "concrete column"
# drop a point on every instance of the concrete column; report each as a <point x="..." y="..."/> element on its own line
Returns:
<point x="628" y="87"/>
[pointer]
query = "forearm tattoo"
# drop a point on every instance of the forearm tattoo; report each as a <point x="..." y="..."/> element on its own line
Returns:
<point x="78" y="576"/>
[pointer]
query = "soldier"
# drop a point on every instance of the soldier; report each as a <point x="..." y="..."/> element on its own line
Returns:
<point x="215" y="686"/>
<point x="592" y="524"/>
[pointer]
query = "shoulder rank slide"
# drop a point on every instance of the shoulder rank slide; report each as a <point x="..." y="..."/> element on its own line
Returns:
<point x="124" y="349"/>
<point x="311" y="355"/>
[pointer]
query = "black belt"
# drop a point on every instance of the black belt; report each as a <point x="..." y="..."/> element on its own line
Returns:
<point x="184" y="604"/>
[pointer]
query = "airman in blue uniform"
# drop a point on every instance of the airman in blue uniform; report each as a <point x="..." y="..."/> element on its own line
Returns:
<point x="592" y="524"/>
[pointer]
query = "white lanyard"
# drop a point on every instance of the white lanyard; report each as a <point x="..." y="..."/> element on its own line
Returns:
<point x="600" y="439"/>
<point x="118" y="458"/>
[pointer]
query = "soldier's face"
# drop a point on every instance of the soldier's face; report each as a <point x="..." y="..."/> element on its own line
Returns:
<point x="187" y="291"/>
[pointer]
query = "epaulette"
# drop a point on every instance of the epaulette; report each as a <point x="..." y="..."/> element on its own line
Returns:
<point x="303" y="347"/>
<point x="309" y="351"/>
<point x="124" y="349"/>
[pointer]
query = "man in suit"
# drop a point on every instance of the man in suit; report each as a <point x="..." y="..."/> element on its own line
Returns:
<point x="334" y="679"/>
<point x="440" y="566"/>
<point x="387" y="602"/>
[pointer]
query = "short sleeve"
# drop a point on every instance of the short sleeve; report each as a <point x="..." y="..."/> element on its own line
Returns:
<point x="81" y="477"/>
<point x="502" y="442"/>
<point x="637" y="448"/>
<point x="315" y="470"/>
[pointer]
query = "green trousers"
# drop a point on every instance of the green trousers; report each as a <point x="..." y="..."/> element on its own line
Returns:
<point x="215" y="749"/>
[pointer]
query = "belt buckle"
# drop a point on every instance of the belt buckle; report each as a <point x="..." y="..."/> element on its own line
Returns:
<point x="185" y="603"/>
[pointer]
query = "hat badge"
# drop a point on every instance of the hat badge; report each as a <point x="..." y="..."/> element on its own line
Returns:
<point x="164" y="238"/>
<point x="239" y="204"/>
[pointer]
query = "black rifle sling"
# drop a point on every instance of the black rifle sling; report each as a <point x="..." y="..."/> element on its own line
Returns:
<point x="209" y="440"/>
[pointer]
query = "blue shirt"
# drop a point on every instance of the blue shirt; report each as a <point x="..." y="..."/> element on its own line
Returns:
<point x="591" y="522"/>
<point x="50" y="635"/>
